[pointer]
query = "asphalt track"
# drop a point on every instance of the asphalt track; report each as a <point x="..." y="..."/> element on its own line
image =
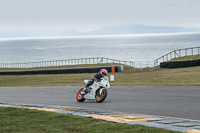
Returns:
<point x="170" y="101"/>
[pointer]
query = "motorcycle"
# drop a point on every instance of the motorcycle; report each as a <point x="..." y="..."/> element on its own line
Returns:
<point x="97" y="91"/>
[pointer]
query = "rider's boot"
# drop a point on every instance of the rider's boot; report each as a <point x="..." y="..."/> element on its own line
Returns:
<point x="85" y="90"/>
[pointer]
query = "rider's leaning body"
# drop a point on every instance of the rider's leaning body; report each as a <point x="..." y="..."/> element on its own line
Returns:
<point x="97" y="77"/>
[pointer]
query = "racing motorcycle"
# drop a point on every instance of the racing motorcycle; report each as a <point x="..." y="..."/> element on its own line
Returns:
<point x="97" y="91"/>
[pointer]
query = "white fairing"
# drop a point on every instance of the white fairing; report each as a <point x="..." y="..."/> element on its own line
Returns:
<point x="85" y="81"/>
<point x="103" y="84"/>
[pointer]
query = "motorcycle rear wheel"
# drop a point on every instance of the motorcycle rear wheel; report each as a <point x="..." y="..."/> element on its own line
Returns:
<point x="79" y="96"/>
<point x="101" y="97"/>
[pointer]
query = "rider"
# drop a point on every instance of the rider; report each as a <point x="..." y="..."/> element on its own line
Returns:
<point x="97" y="77"/>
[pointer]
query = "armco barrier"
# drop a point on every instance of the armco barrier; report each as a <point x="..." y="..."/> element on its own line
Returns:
<point x="65" y="71"/>
<point x="180" y="64"/>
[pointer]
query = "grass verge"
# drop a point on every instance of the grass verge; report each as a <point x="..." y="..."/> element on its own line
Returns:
<point x="186" y="58"/>
<point x="31" y="121"/>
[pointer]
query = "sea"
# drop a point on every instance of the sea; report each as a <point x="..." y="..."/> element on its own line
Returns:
<point x="136" y="47"/>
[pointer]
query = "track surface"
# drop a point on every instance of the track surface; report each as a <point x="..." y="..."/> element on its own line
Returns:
<point x="171" y="101"/>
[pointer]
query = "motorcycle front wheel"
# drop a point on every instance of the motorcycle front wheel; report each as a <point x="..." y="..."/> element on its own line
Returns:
<point x="101" y="97"/>
<point x="79" y="96"/>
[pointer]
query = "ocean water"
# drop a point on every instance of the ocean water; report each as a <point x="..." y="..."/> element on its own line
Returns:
<point x="145" y="47"/>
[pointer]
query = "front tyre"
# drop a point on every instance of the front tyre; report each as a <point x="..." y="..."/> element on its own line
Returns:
<point x="79" y="96"/>
<point x="101" y="97"/>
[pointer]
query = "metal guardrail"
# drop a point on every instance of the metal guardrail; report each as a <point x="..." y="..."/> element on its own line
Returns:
<point x="177" y="53"/>
<point x="96" y="60"/>
<point x="102" y="60"/>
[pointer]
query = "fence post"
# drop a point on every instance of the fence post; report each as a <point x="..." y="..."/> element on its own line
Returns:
<point x="185" y="52"/>
<point x="155" y="63"/>
<point x="192" y="51"/>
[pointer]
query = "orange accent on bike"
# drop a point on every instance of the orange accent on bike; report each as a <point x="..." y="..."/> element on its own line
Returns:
<point x="79" y="94"/>
<point x="101" y="96"/>
<point x="113" y="69"/>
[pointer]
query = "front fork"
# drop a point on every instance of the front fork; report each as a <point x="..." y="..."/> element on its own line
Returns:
<point x="99" y="91"/>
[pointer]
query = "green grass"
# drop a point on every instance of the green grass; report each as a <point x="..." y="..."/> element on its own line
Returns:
<point x="182" y="76"/>
<point x="185" y="58"/>
<point x="34" y="121"/>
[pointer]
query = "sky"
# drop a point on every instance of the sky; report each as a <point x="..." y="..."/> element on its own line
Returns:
<point x="86" y="15"/>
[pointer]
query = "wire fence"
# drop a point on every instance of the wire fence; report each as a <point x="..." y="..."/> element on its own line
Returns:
<point x="177" y="53"/>
<point x="80" y="61"/>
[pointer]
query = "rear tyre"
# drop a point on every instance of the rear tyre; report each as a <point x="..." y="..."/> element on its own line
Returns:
<point x="101" y="97"/>
<point x="79" y="96"/>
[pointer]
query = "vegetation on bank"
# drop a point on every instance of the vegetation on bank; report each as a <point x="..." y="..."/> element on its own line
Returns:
<point x="186" y="58"/>
<point x="31" y="121"/>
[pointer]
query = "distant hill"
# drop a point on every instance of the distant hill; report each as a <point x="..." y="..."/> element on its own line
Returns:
<point x="107" y="30"/>
<point x="140" y="29"/>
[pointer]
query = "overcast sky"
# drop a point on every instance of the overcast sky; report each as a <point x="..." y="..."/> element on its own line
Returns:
<point x="84" y="15"/>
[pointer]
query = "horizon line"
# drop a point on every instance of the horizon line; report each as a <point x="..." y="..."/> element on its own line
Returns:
<point x="96" y="36"/>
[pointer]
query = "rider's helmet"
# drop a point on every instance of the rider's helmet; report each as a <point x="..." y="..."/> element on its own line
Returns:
<point x="103" y="72"/>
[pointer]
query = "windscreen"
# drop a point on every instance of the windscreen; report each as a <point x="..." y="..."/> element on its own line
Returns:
<point x="105" y="78"/>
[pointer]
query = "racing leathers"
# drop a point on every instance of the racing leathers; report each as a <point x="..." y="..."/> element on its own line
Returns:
<point x="97" y="77"/>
